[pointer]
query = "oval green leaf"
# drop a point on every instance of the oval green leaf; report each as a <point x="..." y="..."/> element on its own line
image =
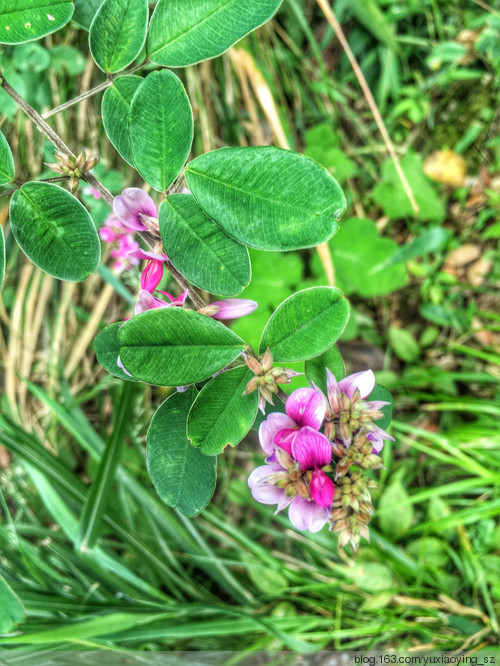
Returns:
<point x="381" y="393"/>
<point x="306" y="324"/>
<point x="267" y="198"/>
<point x="25" y="20"/>
<point x="2" y="257"/>
<point x="315" y="368"/>
<point x="184" y="32"/>
<point x="55" y="231"/>
<point x="201" y="250"/>
<point x="11" y="608"/>
<point x="107" y="349"/>
<point x="184" y="478"/>
<point x="174" y="347"/>
<point x="85" y="10"/>
<point x="118" y="33"/>
<point x="7" y="168"/>
<point x="161" y="129"/>
<point x="221" y="415"/>
<point x="115" y="113"/>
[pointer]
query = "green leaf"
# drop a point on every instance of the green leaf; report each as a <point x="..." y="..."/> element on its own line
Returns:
<point x="184" y="32"/>
<point x="404" y="344"/>
<point x="390" y="194"/>
<point x="107" y="349"/>
<point x="31" y="58"/>
<point x="7" y="168"/>
<point x="381" y="393"/>
<point x="2" y="257"/>
<point x="117" y="33"/>
<point x="306" y="324"/>
<point x="400" y="517"/>
<point x="315" y="368"/>
<point x="200" y="250"/>
<point x="431" y="240"/>
<point x="116" y="113"/>
<point x="11" y="608"/>
<point x="175" y="347"/>
<point x="55" y="231"/>
<point x="161" y="129"/>
<point x="98" y="495"/>
<point x="359" y="255"/>
<point x="184" y="478"/>
<point x="85" y="10"/>
<point x="221" y="415"/>
<point x="67" y="59"/>
<point x="266" y="197"/>
<point x="25" y="20"/>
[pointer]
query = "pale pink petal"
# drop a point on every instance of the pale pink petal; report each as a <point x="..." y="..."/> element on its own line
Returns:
<point x="270" y="427"/>
<point x="364" y="381"/>
<point x="262" y="490"/>
<point x="146" y="255"/>
<point x="131" y="204"/>
<point x="307" y="515"/>
<point x="378" y="433"/>
<point x="306" y="407"/>
<point x="311" y="449"/>
<point x="378" y="444"/>
<point x="376" y="404"/>
<point x="322" y="489"/>
<point x="331" y="382"/>
<point x="283" y="503"/>
<point x="232" y="308"/>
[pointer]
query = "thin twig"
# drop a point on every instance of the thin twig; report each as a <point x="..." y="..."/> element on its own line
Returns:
<point x="90" y="93"/>
<point x="56" y="140"/>
<point x="332" y="20"/>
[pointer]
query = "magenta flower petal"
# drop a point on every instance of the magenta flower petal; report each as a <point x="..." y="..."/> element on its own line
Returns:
<point x="180" y="300"/>
<point x="152" y="275"/>
<point x="311" y="449"/>
<point x="131" y="204"/>
<point x="306" y="407"/>
<point x="322" y="488"/>
<point x="364" y="381"/>
<point x="270" y="427"/>
<point x="146" y="256"/>
<point x="262" y="490"/>
<point x="307" y="515"/>
<point x="232" y="308"/>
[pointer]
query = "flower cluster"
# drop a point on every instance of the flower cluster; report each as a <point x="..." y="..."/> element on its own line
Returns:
<point x="318" y="475"/>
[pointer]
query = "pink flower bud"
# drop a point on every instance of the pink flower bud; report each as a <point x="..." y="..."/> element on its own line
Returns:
<point x="132" y="205"/>
<point x="232" y="308"/>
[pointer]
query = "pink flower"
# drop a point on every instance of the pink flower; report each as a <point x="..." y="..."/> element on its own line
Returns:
<point x="149" y="302"/>
<point x="231" y="308"/>
<point x="136" y="210"/>
<point x="296" y="479"/>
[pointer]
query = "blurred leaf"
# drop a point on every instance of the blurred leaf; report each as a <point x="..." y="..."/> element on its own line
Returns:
<point x="67" y="59"/>
<point x="391" y="197"/>
<point x="161" y="129"/>
<point x="117" y="33"/>
<point x="445" y="52"/>
<point x="85" y="10"/>
<point x="184" y="32"/>
<point x="404" y="344"/>
<point x="306" y="324"/>
<point x="55" y="231"/>
<point x="2" y="257"/>
<point x="116" y="113"/>
<point x="381" y="393"/>
<point x="11" y="608"/>
<point x="175" y="347"/>
<point x="359" y="255"/>
<point x="184" y="478"/>
<point x="200" y="250"/>
<point x="371" y="17"/>
<point x="445" y="166"/>
<point x="315" y="368"/>
<point x="7" y="167"/>
<point x="429" y="551"/>
<point x="400" y="518"/>
<point x="372" y="576"/>
<point x="31" y="58"/>
<point x="221" y="415"/>
<point x="267" y="198"/>
<point x="26" y="20"/>
<point x="268" y="581"/>
<point x="431" y="240"/>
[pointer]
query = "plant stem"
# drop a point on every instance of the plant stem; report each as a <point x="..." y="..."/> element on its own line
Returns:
<point x="56" y="140"/>
<point x="332" y="20"/>
<point x="90" y="93"/>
